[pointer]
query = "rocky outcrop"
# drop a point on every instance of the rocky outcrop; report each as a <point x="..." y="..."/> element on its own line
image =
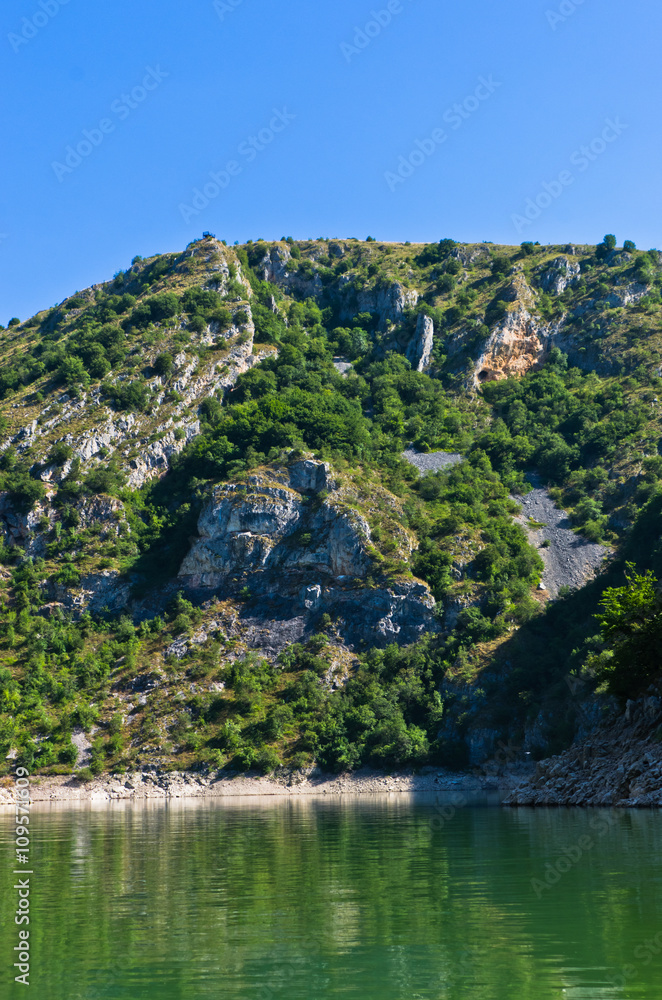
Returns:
<point x="617" y="764"/>
<point x="274" y="266"/>
<point x="109" y="512"/>
<point x="561" y="274"/>
<point x="270" y="526"/>
<point x="23" y="529"/>
<point x="389" y="302"/>
<point x="292" y="537"/>
<point x="420" y="346"/>
<point x="519" y="343"/>
<point x="96" y="592"/>
<point x="154" y="459"/>
<point x="142" y="449"/>
<point x="627" y="295"/>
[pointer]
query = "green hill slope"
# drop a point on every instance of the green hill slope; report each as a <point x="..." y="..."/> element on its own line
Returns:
<point x="216" y="553"/>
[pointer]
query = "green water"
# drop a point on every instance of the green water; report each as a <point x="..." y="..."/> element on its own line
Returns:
<point x="376" y="900"/>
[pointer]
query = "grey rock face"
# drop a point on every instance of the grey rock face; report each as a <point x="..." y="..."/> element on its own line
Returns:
<point x="561" y="273"/>
<point x="628" y="295"/>
<point x="22" y="529"/>
<point x="295" y="545"/>
<point x="419" y="350"/>
<point x="310" y="477"/>
<point x="251" y="530"/>
<point x="390" y="303"/>
<point x="94" y="593"/>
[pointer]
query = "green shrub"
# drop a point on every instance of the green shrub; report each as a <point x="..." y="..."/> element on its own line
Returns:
<point x="68" y="754"/>
<point x="164" y="364"/>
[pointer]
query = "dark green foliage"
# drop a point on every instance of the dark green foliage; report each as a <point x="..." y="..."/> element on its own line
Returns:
<point x="557" y="421"/>
<point x="605" y="248"/>
<point x="127" y="395"/>
<point x="435" y="253"/>
<point x="206" y="304"/>
<point x="164" y="364"/>
<point x="102" y="480"/>
<point x="154" y="310"/>
<point x="630" y="620"/>
<point x="269" y="326"/>
<point x="501" y="266"/>
<point x="24" y="492"/>
<point x="72" y="372"/>
<point x="60" y="453"/>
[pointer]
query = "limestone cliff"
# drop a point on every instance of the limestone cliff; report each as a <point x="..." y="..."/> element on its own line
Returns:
<point x="419" y="350"/>
<point x="290" y="533"/>
<point x="519" y="342"/>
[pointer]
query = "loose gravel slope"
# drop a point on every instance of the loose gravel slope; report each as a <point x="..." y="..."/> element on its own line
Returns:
<point x="570" y="560"/>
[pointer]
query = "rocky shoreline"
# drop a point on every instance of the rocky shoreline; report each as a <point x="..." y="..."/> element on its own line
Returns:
<point x="618" y="764"/>
<point x="151" y="785"/>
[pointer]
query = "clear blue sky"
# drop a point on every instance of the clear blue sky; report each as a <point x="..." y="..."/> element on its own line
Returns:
<point x="552" y="83"/>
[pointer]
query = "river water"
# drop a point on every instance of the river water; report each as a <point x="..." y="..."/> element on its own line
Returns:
<point x="368" y="899"/>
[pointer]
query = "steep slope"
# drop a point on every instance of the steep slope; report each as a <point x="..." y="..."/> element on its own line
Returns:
<point x="262" y="504"/>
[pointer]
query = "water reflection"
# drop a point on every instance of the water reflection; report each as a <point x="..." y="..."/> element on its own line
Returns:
<point x="303" y="898"/>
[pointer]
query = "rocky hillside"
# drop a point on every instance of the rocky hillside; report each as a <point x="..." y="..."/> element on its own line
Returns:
<point x="329" y="501"/>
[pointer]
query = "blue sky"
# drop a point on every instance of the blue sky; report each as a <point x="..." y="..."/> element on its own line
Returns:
<point x="403" y="119"/>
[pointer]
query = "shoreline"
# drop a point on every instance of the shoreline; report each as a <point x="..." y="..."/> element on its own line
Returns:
<point x="168" y="786"/>
<point x="617" y="765"/>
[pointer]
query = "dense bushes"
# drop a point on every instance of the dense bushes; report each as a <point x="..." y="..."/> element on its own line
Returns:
<point x="566" y="425"/>
<point x="154" y="310"/>
<point x="630" y="621"/>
